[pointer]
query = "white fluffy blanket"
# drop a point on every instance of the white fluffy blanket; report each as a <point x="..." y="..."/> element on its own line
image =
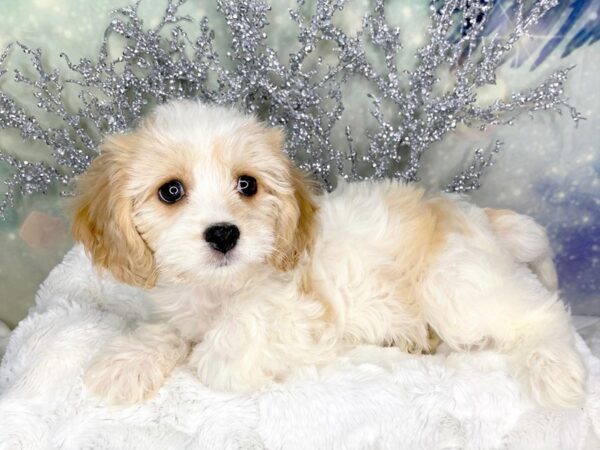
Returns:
<point x="373" y="398"/>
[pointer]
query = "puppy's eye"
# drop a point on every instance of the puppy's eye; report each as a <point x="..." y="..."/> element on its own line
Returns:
<point x="246" y="185"/>
<point x="171" y="192"/>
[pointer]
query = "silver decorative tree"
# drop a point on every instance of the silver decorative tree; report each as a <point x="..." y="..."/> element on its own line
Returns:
<point x="302" y="92"/>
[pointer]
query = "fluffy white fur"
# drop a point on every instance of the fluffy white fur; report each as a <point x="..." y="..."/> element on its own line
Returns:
<point x="311" y="275"/>
<point x="370" y="398"/>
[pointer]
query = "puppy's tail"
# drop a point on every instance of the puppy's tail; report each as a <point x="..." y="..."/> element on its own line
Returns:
<point x="527" y="241"/>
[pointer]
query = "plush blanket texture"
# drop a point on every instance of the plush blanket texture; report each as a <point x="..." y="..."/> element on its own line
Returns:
<point x="372" y="398"/>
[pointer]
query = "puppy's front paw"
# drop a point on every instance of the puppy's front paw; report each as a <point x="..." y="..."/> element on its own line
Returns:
<point x="132" y="368"/>
<point x="123" y="381"/>
<point x="221" y="373"/>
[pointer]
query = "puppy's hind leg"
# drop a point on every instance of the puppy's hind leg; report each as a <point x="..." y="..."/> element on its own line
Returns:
<point x="477" y="296"/>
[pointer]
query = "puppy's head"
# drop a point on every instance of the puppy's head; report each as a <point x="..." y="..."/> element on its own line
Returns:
<point x="195" y="194"/>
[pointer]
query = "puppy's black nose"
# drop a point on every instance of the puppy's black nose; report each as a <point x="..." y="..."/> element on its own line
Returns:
<point x="222" y="236"/>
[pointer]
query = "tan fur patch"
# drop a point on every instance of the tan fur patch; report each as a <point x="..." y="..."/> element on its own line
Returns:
<point x="426" y="222"/>
<point x="493" y="214"/>
<point x="296" y="222"/>
<point x="102" y="218"/>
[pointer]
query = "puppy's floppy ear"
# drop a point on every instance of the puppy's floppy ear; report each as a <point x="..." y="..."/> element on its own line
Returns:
<point x="296" y="218"/>
<point x="102" y="218"/>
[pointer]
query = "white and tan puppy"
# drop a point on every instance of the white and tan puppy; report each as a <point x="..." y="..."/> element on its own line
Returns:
<point x="254" y="275"/>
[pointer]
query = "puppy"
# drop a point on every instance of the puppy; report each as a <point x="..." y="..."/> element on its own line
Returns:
<point x="253" y="275"/>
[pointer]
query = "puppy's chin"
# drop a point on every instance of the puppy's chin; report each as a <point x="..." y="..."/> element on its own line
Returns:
<point x="210" y="268"/>
<point x="224" y="263"/>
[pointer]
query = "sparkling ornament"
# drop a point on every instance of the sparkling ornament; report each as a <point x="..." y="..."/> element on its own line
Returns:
<point x="303" y="92"/>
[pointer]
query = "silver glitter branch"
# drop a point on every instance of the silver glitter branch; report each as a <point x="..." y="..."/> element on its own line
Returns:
<point x="303" y="93"/>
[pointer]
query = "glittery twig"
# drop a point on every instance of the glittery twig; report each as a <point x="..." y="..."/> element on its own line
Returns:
<point x="411" y="109"/>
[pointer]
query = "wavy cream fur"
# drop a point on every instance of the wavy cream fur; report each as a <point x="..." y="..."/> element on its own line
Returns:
<point x="312" y="275"/>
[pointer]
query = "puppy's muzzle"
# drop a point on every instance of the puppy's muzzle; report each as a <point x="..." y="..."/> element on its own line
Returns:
<point x="222" y="236"/>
